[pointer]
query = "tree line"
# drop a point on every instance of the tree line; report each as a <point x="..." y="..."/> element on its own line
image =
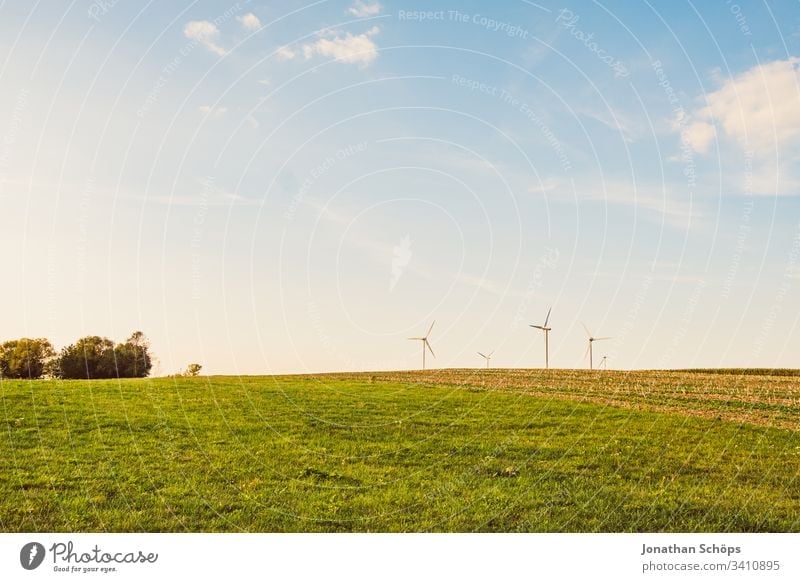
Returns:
<point x="90" y="357"/>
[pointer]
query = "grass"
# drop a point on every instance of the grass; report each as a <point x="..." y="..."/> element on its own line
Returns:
<point x="450" y="450"/>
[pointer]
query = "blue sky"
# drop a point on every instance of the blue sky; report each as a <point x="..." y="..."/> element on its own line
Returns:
<point x="289" y="187"/>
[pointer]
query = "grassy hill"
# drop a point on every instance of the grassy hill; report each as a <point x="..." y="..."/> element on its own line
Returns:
<point x="448" y="450"/>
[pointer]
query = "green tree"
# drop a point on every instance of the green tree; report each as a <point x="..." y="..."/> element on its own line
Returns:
<point x="193" y="370"/>
<point x="89" y="357"/>
<point x="133" y="357"/>
<point x="25" y="358"/>
<point x="98" y="357"/>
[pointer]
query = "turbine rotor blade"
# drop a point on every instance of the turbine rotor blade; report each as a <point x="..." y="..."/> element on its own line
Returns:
<point x="482" y="355"/>
<point x="586" y="353"/>
<point x="415" y="338"/>
<point x="546" y="319"/>
<point x="601" y="338"/>
<point x="427" y="343"/>
<point x="536" y="326"/>
<point x="430" y="328"/>
<point x="586" y="329"/>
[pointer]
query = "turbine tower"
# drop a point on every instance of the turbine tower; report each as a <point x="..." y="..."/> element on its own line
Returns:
<point x="425" y="343"/>
<point x="592" y="339"/>
<point x="486" y="357"/>
<point x="546" y="331"/>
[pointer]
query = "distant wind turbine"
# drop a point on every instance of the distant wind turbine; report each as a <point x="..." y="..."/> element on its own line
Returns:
<point x="592" y="339"/>
<point x="425" y="343"/>
<point x="486" y="357"/>
<point x="603" y="363"/>
<point x="546" y="331"/>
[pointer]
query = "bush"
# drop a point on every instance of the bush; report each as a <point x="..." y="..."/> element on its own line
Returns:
<point x="97" y="357"/>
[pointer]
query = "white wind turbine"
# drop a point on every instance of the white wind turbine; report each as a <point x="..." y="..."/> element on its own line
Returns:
<point x="486" y="357"/>
<point x="546" y="331"/>
<point x="592" y="339"/>
<point x="425" y="343"/>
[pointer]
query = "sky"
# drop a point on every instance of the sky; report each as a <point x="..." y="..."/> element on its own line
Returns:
<point x="288" y="187"/>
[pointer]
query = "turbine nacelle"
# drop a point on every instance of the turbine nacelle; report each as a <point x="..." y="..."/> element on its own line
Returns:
<point x="425" y="343"/>
<point x="592" y="339"/>
<point x="546" y="331"/>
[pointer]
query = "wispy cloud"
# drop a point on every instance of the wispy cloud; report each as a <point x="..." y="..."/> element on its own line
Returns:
<point x="658" y="200"/>
<point x="453" y="155"/>
<point x="197" y="194"/>
<point x="384" y="254"/>
<point x="547" y="185"/>
<point x="488" y="285"/>
<point x="206" y="33"/>
<point x="378" y="252"/>
<point x="655" y="198"/>
<point x="365" y="9"/>
<point x="401" y="256"/>
<point x="252" y="121"/>
<point x="615" y="120"/>
<point x="211" y="111"/>
<point x="328" y="213"/>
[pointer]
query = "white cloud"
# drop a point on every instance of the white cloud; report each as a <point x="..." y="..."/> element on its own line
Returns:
<point x="205" y="33"/>
<point x="758" y="108"/>
<point x="249" y="21"/>
<point x="758" y="113"/>
<point x="699" y="136"/>
<point x="284" y="53"/>
<point x="349" y="48"/>
<point x="363" y="9"/>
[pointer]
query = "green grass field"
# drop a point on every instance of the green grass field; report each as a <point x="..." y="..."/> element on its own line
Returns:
<point x="449" y="450"/>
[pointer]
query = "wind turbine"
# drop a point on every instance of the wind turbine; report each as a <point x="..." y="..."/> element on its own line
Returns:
<point x="425" y="343"/>
<point x="603" y="363"/>
<point x="486" y="357"/>
<point x="592" y="339"/>
<point x="546" y="331"/>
